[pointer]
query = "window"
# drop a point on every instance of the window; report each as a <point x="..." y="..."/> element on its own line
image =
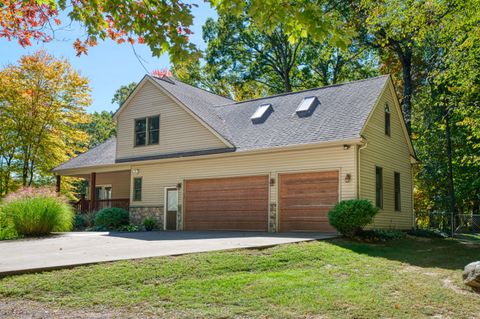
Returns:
<point x="147" y="131"/>
<point x="379" y="187"/>
<point x="261" y="113"/>
<point x="398" y="197"/>
<point x="153" y="130"/>
<point x="307" y="106"/>
<point x="387" y="120"/>
<point x="137" y="189"/>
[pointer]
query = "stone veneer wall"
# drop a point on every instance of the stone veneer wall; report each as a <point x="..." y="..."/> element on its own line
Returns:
<point x="139" y="213"/>
<point x="179" y="217"/>
<point x="272" y="218"/>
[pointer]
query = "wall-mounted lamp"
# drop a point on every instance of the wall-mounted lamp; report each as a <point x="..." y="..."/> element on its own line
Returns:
<point x="135" y="171"/>
<point x="348" y="178"/>
<point x="179" y="185"/>
<point x="346" y="146"/>
<point x="272" y="181"/>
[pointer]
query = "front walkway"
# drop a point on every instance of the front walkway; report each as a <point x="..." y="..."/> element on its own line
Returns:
<point x="73" y="249"/>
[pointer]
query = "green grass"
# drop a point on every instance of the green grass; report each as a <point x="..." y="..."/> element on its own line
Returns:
<point x="408" y="278"/>
<point x="470" y="237"/>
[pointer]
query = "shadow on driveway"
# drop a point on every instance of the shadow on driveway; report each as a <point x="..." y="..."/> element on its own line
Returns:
<point x="194" y="235"/>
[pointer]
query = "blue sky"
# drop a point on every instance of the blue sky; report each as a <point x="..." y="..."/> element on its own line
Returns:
<point x="107" y="65"/>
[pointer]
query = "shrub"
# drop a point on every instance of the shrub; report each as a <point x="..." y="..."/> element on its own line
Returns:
<point x="427" y="233"/>
<point x="38" y="212"/>
<point x="111" y="218"/>
<point x="129" y="228"/>
<point x="7" y="230"/>
<point x="84" y="221"/>
<point x="380" y="235"/>
<point x="79" y="222"/>
<point x="350" y="216"/>
<point x="149" y="224"/>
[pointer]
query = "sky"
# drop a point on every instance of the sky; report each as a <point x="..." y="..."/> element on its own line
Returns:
<point x="107" y="65"/>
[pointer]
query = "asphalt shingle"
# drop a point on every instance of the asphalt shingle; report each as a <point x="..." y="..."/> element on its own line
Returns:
<point x="340" y="115"/>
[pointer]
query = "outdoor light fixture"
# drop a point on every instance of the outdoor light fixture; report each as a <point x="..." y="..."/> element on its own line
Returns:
<point x="179" y="185"/>
<point x="272" y="181"/>
<point x="135" y="171"/>
<point x="348" y="177"/>
<point x="346" y="146"/>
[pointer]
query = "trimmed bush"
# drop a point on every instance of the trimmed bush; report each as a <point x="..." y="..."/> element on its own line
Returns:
<point x="427" y="233"/>
<point x="111" y="218"/>
<point x="37" y="212"/>
<point x="149" y="224"/>
<point x="350" y="216"/>
<point x="380" y="235"/>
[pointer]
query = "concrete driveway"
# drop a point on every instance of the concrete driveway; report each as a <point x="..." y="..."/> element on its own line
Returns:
<point x="73" y="249"/>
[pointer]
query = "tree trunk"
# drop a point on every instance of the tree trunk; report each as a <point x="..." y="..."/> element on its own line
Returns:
<point x="451" y="190"/>
<point x="406" y="60"/>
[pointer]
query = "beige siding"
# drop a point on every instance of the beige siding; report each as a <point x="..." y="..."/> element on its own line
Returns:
<point x="158" y="176"/>
<point x="120" y="182"/>
<point x="179" y="131"/>
<point x="393" y="155"/>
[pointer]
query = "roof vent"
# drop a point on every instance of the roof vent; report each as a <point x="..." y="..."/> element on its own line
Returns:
<point x="262" y="113"/>
<point x="307" y="106"/>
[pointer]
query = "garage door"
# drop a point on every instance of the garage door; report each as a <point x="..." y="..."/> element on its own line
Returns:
<point x="305" y="199"/>
<point x="237" y="203"/>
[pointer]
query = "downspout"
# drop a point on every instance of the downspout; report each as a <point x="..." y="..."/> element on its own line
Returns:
<point x="359" y="167"/>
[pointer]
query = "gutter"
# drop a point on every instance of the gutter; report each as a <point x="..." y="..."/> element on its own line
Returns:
<point x="358" y="165"/>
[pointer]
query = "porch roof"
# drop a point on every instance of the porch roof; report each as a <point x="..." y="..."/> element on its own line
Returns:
<point x="103" y="154"/>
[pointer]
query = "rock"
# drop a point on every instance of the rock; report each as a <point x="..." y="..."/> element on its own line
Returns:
<point x="471" y="275"/>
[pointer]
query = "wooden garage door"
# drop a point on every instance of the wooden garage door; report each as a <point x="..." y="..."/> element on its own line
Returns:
<point x="237" y="203"/>
<point x="305" y="199"/>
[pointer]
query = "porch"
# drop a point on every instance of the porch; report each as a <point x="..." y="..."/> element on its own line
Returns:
<point x="104" y="190"/>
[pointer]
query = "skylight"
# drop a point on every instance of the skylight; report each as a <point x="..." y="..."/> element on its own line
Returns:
<point x="261" y="113"/>
<point x="307" y="106"/>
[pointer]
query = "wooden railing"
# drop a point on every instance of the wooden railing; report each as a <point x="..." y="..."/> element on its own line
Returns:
<point x="85" y="205"/>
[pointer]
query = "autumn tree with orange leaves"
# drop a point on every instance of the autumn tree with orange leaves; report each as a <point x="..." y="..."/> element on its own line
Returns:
<point x="42" y="101"/>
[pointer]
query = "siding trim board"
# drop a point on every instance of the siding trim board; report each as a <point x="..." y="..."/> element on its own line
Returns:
<point x="175" y="155"/>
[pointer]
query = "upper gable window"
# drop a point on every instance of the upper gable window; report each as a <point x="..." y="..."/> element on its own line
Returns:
<point x="147" y="131"/>
<point x="387" y="120"/>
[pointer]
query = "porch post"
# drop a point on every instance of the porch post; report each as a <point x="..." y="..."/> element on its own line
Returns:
<point x="93" y="177"/>
<point x="59" y="182"/>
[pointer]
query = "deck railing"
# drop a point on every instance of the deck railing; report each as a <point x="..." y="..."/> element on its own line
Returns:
<point x="86" y="205"/>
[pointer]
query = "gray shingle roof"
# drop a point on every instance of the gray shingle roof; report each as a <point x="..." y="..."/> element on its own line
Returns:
<point x="341" y="115"/>
<point x="103" y="154"/>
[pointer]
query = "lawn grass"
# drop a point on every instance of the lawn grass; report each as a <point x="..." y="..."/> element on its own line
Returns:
<point x="408" y="278"/>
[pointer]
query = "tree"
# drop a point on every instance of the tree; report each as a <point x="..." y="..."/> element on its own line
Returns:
<point x="447" y="114"/>
<point x="251" y="55"/>
<point x="256" y="62"/>
<point x="100" y="127"/>
<point x="324" y="64"/>
<point x="163" y="25"/>
<point x="42" y="101"/>
<point x="396" y="29"/>
<point x="122" y="93"/>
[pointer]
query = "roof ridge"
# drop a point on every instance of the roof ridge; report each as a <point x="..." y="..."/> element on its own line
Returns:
<point x="306" y="90"/>
<point x="173" y="78"/>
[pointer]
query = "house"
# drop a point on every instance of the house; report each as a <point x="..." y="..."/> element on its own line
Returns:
<point x="194" y="160"/>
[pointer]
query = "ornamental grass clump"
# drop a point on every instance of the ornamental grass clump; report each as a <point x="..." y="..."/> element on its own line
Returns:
<point x="37" y="212"/>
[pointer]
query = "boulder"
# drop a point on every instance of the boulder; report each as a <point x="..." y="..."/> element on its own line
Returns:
<point x="471" y="275"/>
